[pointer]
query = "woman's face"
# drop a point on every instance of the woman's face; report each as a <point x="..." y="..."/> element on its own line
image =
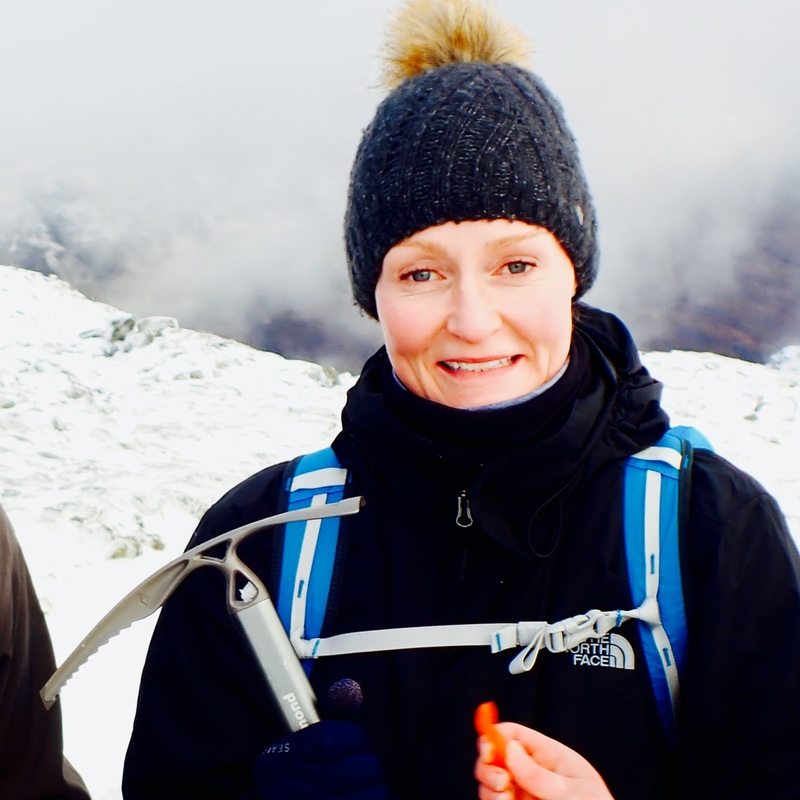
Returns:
<point x="475" y="313"/>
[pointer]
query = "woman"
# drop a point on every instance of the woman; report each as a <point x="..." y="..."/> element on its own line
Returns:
<point x="489" y="439"/>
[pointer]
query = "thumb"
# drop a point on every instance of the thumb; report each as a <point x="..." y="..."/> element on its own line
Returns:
<point x="529" y="775"/>
<point x="516" y="755"/>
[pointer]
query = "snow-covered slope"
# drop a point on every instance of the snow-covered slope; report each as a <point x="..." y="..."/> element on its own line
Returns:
<point x="116" y="434"/>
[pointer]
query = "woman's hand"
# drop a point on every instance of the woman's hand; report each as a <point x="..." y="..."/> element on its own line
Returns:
<point x="537" y="768"/>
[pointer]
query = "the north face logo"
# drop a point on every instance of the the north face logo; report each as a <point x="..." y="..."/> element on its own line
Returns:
<point x="612" y="650"/>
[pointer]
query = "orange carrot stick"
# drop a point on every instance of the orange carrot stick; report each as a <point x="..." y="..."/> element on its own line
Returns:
<point x="486" y="717"/>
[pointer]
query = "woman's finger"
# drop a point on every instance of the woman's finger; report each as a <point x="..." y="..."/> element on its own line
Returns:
<point x="571" y="777"/>
<point x="549" y="753"/>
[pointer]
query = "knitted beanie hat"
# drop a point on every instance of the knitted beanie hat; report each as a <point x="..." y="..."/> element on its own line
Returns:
<point x="466" y="133"/>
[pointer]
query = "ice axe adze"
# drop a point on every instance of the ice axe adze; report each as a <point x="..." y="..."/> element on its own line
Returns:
<point x="256" y="613"/>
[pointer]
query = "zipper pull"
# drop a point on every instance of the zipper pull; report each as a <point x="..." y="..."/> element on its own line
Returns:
<point x="464" y="515"/>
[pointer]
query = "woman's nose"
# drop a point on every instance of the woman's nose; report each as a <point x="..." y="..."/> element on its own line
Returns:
<point x="473" y="314"/>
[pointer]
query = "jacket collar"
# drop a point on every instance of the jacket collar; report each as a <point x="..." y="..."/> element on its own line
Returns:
<point x="517" y="464"/>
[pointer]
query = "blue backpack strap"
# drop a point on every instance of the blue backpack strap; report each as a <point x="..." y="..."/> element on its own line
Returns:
<point x="691" y="435"/>
<point x="654" y="484"/>
<point x="309" y="548"/>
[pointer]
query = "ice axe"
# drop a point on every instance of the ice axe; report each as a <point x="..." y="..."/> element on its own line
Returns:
<point x="255" y="612"/>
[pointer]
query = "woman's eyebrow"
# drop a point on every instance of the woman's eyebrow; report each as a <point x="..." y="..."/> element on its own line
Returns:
<point x="507" y="241"/>
<point x="428" y="247"/>
<point x="495" y="244"/>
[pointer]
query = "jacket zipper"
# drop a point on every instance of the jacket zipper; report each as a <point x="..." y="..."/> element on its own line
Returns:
<point x="464" y="515"/>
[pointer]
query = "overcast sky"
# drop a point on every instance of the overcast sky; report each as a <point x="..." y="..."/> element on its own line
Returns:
<point x="198" y="152"/>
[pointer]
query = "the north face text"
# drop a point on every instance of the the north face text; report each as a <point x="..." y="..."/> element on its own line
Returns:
<point x="613" y="650"/>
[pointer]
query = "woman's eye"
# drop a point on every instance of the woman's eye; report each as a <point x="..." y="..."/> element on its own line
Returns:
<point x="420" y="275"/>
<point x="518" y="267"/>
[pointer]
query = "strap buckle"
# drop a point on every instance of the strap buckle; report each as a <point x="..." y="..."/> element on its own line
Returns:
<point x="566" y="634"/>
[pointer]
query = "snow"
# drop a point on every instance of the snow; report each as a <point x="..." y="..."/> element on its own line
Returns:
<point x="116" y="433"/>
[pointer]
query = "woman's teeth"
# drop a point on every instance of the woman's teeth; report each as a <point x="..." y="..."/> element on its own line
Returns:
<point x="477" y="366"/>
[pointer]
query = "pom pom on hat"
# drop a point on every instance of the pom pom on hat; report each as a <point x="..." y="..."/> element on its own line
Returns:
<point x="465" y="133"/>
<point x="427" y="34"/>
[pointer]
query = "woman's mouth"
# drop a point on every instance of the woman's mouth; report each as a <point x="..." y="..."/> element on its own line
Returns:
<point x="478" y="366"/>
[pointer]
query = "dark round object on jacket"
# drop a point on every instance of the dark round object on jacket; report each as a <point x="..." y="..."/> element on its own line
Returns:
<point x="466" y="141"/>
<point x="345" y="696"/>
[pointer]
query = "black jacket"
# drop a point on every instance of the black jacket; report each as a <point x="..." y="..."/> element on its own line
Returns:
<point x="543" y="480"/>
<point x="32" y="762"/>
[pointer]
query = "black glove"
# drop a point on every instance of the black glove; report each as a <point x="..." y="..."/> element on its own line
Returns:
<point x="329" y="759"/>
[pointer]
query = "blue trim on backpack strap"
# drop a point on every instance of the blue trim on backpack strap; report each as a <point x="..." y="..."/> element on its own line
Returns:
<point x="325" y="554"/>
<point x="639" y="564"/>
<point x="633" y="521"/>
<point x="670" y="588"/>
<point x="695" y="438"/>
<point x="320" y="459"/>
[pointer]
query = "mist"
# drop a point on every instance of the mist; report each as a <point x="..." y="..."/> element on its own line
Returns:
<point x="191" y="159"/>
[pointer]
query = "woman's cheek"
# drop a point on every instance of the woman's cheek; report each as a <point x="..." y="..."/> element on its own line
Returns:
<point x="411" y="325"/>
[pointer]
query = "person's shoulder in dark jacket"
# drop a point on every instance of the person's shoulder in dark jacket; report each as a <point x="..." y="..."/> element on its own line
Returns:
<point x="181" y="747"/>
<point x="253" y="498"/>
<point x="727" y="499"/>
<point x="740" y="699"/>
<point x="32" y="763"/>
